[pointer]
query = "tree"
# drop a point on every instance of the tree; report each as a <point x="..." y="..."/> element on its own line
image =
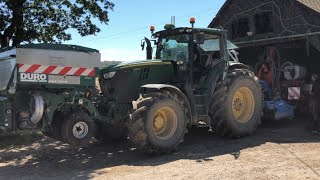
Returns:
<point x="48" y="20"/>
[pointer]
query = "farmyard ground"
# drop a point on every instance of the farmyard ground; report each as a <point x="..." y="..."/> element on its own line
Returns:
<point x="283" y="150"/>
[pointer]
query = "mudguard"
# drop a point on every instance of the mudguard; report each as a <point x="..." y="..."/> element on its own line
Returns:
<point x="238" y="65"/>
<point x="171" y="88"/>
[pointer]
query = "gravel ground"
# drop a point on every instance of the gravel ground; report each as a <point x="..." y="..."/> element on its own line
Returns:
<point x="279" y="150"/>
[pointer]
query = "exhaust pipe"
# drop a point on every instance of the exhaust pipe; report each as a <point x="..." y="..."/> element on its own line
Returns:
<point x="36" y="111"/>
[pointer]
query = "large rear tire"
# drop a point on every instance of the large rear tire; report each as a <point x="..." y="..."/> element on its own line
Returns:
<point x="236" y="107"/>
<point x="159" y="123"/>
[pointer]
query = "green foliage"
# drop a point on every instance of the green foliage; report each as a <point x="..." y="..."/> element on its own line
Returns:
<point x="49" y="20"/>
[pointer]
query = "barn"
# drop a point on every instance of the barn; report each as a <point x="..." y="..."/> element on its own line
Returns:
<point x="291" y="27"/>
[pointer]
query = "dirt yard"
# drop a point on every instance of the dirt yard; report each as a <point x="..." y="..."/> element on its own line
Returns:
<point x="277" y="151"/>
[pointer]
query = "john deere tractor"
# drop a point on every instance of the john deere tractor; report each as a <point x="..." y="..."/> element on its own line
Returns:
<point x="192" y="82"/>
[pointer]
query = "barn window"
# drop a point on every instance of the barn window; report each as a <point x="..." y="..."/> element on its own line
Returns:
<point x="240" y="28"/>
<point x="263" y="23"/>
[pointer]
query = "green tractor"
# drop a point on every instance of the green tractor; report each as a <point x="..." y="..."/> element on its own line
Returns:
<point x="190" y="82"/>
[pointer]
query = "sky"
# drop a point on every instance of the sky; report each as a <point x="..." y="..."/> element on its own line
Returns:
<point x="130" y="21"/>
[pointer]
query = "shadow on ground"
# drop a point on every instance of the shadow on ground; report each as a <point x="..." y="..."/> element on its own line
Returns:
<point x="46" y="158"/>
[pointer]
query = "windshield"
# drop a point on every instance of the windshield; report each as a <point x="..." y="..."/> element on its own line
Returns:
<point x="174" y="48"/>
<point x="214" y="45"/>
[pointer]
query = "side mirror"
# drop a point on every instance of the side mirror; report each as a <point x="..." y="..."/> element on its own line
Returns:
<point x="199" y="38"/>
<point x="149" y="48"/>
<point x="142" y="44"/>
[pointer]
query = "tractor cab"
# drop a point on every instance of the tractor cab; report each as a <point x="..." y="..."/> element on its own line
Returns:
<point x="194" y="51"/>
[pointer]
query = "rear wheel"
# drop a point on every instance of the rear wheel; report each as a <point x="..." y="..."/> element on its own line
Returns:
<point x="236" y="107"/>
<point x="159" y="123"/>
<point x="243" y="104"/>
<point x="78" y="129"/>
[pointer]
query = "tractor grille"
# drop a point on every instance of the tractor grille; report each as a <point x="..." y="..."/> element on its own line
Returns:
<point x="144" y="74"/>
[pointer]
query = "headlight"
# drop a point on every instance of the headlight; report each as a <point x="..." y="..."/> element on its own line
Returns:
<point x="109" y="75"/>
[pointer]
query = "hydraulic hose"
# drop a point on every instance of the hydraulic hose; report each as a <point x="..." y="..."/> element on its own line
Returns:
<point x="37" y="110"/>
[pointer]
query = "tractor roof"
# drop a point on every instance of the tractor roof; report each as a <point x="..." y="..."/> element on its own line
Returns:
<point x="180" y="30"/>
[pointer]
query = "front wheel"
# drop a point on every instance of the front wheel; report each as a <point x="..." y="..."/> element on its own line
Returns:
<point x="159" y="123"/>
<point x="78" y="129"/>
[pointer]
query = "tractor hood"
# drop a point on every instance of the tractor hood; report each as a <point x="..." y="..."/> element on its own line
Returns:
<point x="123" y="81"/>
<point x="133" y="64"/>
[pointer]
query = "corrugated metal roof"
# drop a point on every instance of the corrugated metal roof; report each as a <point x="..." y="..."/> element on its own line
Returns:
<point x="312" y="4"/>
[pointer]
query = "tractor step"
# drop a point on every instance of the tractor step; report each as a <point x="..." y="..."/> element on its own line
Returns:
<point x="204" y="123"/>
<point x="201" y="107"/>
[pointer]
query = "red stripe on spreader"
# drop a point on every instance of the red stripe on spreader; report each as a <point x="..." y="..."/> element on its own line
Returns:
<point x="20" y="65"/>
<point x="91" y="74"/>
<point x="33" y="68"/>
<point x="65" y="70"/>
<point x="79" y="71"/>
<point x="294" y="93"/>
<point x="49" y="69"/>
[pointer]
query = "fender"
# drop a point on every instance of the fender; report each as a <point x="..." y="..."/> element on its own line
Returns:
<point x="238" y="65"/>
<point x="171" y="88"/>
<point x="217" y="73"/>
<point x="55" y="102"/>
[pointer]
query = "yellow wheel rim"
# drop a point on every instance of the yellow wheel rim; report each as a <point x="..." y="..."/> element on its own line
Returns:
<point x="165" y="123"/>
<point x="243" y="104"/>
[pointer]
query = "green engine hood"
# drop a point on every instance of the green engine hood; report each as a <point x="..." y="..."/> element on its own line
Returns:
<point x="125" y="85"/>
